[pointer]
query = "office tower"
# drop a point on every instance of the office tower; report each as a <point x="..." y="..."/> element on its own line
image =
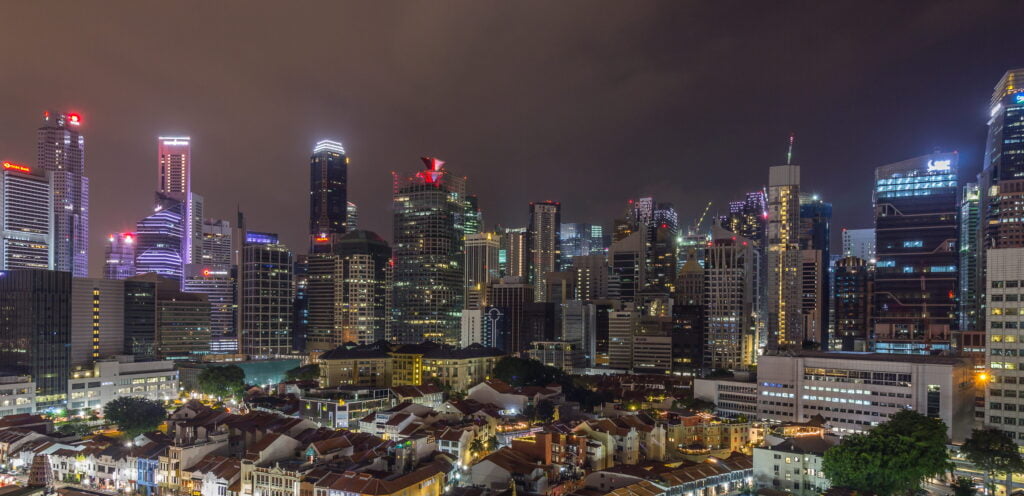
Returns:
<point x="545" y="223"/>
<point x="473" y="218"/>
<point x="783" y="291"/>
<point x="35" y="324"/>
<point x="641" y="211"/>
<point x="510" y="295"/>
<point x="970" y="283"/>
<point x="97" y="319"/>
<point x="323" y="329"/>
<point x="539" y="323"/>
<point x="579" y="327"/>
<point x="916" y="270"/>
<point x="852" y="290"/>
<point x="473" y="329"/>
<point x="217" y="282"/>
<point x="730" y="273"/>
<point x="592" y="274"/>
<point x="689" y="288"/>
<point x="1005" y="337"/>
<point x="174" y="179"/>
<point x="578" y="239"/>
<point x="159" y="238"/>
<point x="627" y="258"/>
<point x="560" y="287"/>
<point x="300" y="307"/>
<point x="621" y="327"/>
<point x="140" y="317"/>
<point x="815" y="292"/>
<point x="481" y="266"/>
<point x="119" y="263"/>
<point x="661" y="257"/>
<point x="351" y="217"/>
<point x="328" y="195"/>
<point x="652" y="345"/>
<point x="216" y="245"/>
<point x="429" y="275"/>
<point x="61" y="152"/>
<point x="860" y="243"/>
<point x="513" y="252"/>
<point x="748" y="217"/>
<point x="265" y="296"/>
<point x="26" y="218"/>
<point x="665" y="217"/>
<point x="182" y="323"/>
<point x="365" y="285"/>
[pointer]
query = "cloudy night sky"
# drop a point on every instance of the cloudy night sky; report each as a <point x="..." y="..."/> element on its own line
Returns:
<point x="588" y="103"/>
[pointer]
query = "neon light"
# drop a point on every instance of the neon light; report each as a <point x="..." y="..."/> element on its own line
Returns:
<point x="1018" y="98"/>
<point x="175" y="141"/>
<point x="16" y="167"/>
<point x="74" y="119"/>
<point x="940" y="165"/>
<point x="328" y="146"/>
<point x="433" y="173"/>
<point x="321" y="239"/>
<point x="206" y="272"/>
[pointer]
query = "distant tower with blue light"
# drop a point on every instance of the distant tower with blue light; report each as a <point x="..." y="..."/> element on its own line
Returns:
<point x="328" y="195"/>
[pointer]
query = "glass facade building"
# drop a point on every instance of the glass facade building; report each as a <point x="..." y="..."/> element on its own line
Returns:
<point x="328" y="195"/>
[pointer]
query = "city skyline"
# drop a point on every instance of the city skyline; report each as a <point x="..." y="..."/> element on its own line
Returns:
<point x="675" y="114"/>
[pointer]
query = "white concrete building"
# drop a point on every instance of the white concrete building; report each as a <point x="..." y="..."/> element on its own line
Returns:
<point x="121" y="376"/>
<point x="17" y="395"/>
<point x="1004" y="392"/>
<point x="793" y="465"/>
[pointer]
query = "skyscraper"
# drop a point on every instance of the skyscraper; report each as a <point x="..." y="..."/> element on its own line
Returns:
<point x="35" y="323"/>
<point x="26" y="218"/>
<point x="579" y="239"/>
<point x="627" y="258"/>
<point x="916" y="270"/>
<point x="545" y="224"/>
<point x="328" y="195"/>
<point x="265" y="297"/>
<point x="731" y="267"/>
<point x="473" y="219"/>
<point x="120" y="256"/>
<point x="429" y="273"/>
<point x="510" y="296"/>
<point x="853" y="284"/>
<point x="174" y="175"/>
<point x="61" y="152"/>
<point x="513" y="254"/>
<point x="785" y="323"/>
<point x="351" y="217"/>
<point x="971" y="285"/>
<point x="217" y="282"/>
<point x="481" y="267"/>
<point x="747" y="217"/>
<point x="815" y="240"/>
<point x="217" y="242"/>
<point x="97" y="319"/>
<point x="860" y="243"/>
<point x="364" y="284"/>
<point x="159" y="238"/>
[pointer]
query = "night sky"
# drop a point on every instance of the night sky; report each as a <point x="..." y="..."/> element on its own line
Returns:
<point x="588" y="103"/>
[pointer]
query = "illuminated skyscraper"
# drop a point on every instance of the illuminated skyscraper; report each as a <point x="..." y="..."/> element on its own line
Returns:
<point x="815" y="238"/>
<point x="853" y="284"/>
<point x="545" y="246"/>
<point x="971" y="285"/>
<point x="266" y="296"/>
<point x="217" y="242"/>
<point x="429" y="283"/>
<point x="579" y="240"/>
<point x="731" y="267"/>
<point x="747" y="218"/>
<point x="860" y="243"/>
<point x="61" y="152"/>
<point x="351" y="217"/>
<point x="365" y="286"/>
<point x="481" y="267"/>
<point x="175" y="181"/>
<point x="513" y="254"/>
<point x="473" y="220"/>
<point x="916" y="270"/>
<point x="120" y="256"/>
<point x="783" y="272"/>
<point x="217" y="282"/>
<point x="159" y="239"/>
<point x="328" y="195"/>
<point x="26" y="218"/>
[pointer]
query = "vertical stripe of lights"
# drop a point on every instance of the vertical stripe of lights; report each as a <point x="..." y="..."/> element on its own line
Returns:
<point x="95" y="324"/>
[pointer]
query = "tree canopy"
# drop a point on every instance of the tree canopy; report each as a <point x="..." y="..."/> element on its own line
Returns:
<point x="893" y="458"/>
<point x="993" y="451"/>
<point x="135" y="415"/>
<point x="226" y="381"/>
<point x="303" y="373"/>
<point x="525" y="372"/>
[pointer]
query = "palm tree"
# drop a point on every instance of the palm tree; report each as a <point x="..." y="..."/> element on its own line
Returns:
<point x="492" y="443"/>
<point x="477" y="446"/>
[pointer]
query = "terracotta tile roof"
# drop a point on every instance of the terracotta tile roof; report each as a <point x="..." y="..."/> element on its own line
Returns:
<point x="369" y="484"/>
<point x="513" y="461"/>
<point x="253" y="452"/>
<point x="397" y="418"/>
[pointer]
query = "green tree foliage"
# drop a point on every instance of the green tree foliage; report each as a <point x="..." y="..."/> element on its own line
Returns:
<point x="492" y="443"/>
<point x="893" y="458"/>
<point x="524" y="372"/>
<point x="992" y="451"/>
<point x="963" y="486"/>
<point x="75" y="427"/>
<point x="305" y="373"/>
<point x="135" y="415"/>
<point x="476" y="446"/>
<point x="545" y="410"/>
<point x="225" y="381"/>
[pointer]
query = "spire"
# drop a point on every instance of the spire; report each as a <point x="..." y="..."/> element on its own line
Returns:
<point x="789" y="152"/>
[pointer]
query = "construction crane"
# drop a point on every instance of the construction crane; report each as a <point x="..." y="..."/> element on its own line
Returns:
<point x="700" y="220"/>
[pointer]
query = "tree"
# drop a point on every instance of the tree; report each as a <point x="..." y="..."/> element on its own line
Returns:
<point x="894" y="458"/>
<point x="135" y="415"/>
<point x="963" y="486"/>
<point x="477" y="446"/>
<point x="524" y="372"/>
<point x="492" y="443"/>
<point x="226" y="381"/>
<point x="992" y="451"/>
<point x="305" y="373"/>
<point x="545" y="410"/>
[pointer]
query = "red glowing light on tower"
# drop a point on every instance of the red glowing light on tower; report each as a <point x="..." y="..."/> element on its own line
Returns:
<point x="206" y="272"/>
<point x="74" y="119"/>
<point x="433" y="173"/>
<point x="16" y="167"/>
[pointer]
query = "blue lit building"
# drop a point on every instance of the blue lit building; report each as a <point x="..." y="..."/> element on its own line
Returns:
<point x="914" y="303"/>
<point x="159" y="247"/>
<point x="579" y="239"/>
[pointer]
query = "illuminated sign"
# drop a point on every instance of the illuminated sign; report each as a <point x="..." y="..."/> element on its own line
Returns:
<point x="74" y="119"/>
<point x="940" y="165"/>
<point x="321" y="239"/>
<point x="260" y="238"/>
<point x="1018" y="98"/>
<point x="16" y="167"/>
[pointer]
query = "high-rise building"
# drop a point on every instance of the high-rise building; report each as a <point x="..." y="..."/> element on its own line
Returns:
<point x="1005" y="338"/>
<point x="182" y="320"/>
<point x="545" y="224"/>
<point x="120" y="256"/>
<point x="429" y="283"/>
<point x="916" y="270"/>
<point x="621" y="328"/>
<point x="481" y="267"/>
<point x="328" y="195"/>
<point x="783" y="291"/>
<point x="852" y="300"/>
<point x="300" y="307"/>
<point x="513" y="252"/>
<point x="351" y="217"/>
<point x="140" y="317"/>
<point x="159" y="238"/>
<point x="217" y="243"/>
<point x="217" y="282"/>
<point x="174" y="179"/>
<point x="859" y="243"/>
<point x="510" y="295"/>
<point x="661" y="257"/>
<point x="35" y="324"/>
<point x="364" y="282"/>
<point x="748" y="217"/>
<point x="627" y="258"/>
<point x="730" y="274"/>
<point x="26" y="218"/>
<point x="61" y="152"/>
<point x="578" y="240"/>
<point x="473" y="218"/>
<point x="579" y="327"/>
<point x="266" y="294"/>
<point x="97" y="319"/>
<point x="970" y="283"/>
<point x="592" y="273"/>
<point x="815" y="292"/>
<point x="665" y="217"/>
<point x="323" y="328"/>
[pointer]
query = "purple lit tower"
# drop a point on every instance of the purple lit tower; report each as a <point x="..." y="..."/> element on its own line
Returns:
<point x="60" y="151"/>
